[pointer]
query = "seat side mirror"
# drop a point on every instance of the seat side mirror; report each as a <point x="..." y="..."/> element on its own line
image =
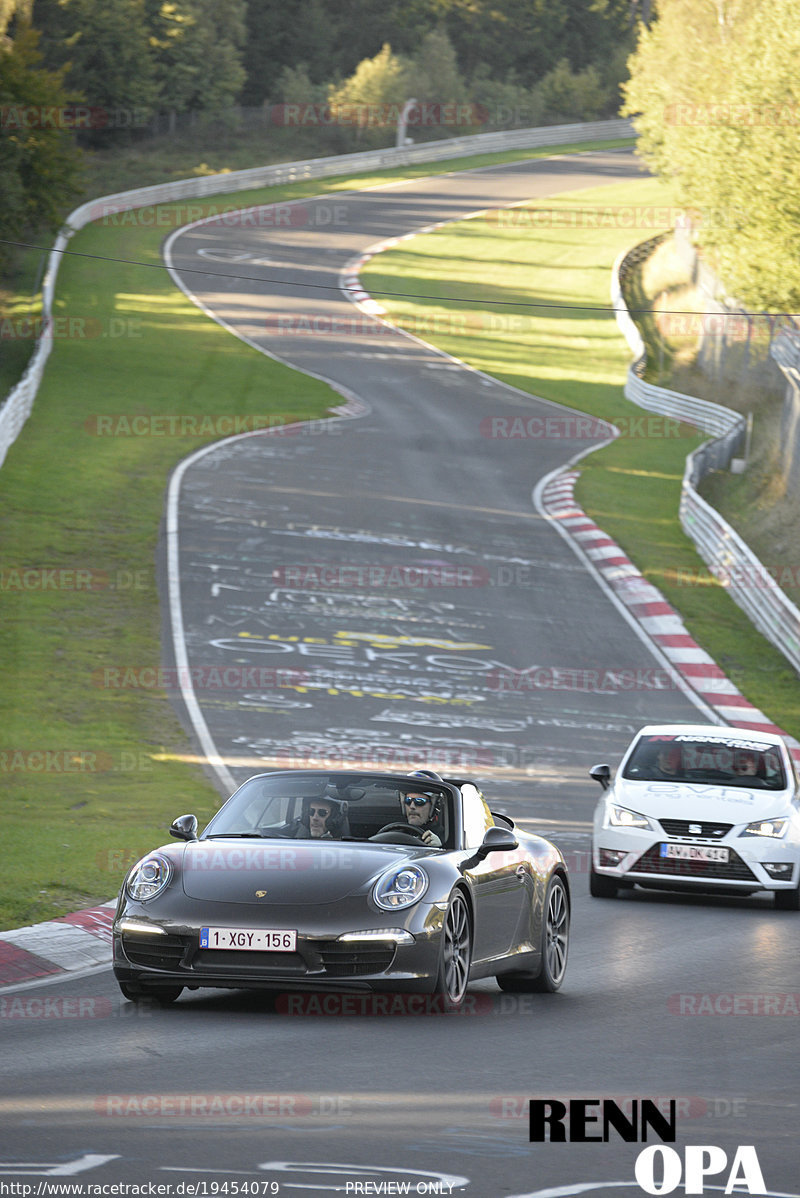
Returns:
<point x="602" y="774"/>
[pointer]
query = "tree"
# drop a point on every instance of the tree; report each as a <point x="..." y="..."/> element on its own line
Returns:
<point x="103" y="45"/>
<point x="567" y="95"/>
<point x="10" y="9"/>
<point x="374" y="94"/>
<point x="196" y="49"/>
<point x="432" y="73"/>
<point x="715" y="97"/>
<point x="39" y="164"/>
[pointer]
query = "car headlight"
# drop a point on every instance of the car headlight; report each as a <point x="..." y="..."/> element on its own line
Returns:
<point x="149" y="877"/>
<point x="621" y="817"/>
<point x="767" y="827"/>
<point x="400" y="887"/>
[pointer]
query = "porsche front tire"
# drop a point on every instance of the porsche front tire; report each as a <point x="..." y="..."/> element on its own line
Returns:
<point x="164" y="995"/>
<point x="455" y="952"/>
<point x="554" y="946"/>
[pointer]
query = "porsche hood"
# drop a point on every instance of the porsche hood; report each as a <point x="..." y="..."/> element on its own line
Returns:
<point x="293" y="872"/>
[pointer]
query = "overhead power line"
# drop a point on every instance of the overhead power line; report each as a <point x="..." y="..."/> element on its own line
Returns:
<point x="475" y="299"/>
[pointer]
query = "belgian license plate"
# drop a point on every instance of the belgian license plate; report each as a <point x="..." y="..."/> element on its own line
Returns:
<point x="253" y="939"/>
<point x="694" y="852"/>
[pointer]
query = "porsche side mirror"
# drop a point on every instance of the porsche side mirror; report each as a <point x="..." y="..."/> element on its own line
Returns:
<point x="601" y="774"/>
<point x="184" y="827"/>
<point x="497" y="840"/>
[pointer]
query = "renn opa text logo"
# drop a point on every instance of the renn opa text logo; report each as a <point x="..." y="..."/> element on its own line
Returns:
<point x="659" y="1169"/>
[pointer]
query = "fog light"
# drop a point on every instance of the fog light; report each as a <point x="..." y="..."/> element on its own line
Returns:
<point x="612" y="857"/>
<point x="779" y="869"/>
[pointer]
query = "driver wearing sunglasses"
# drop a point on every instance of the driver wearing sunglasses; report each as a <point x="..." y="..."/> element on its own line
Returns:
<point x="418" y="811"/>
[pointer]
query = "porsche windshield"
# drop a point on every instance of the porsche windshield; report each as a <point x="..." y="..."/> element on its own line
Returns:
<point x="749" y="764"/>
<point x="333" y="806"/>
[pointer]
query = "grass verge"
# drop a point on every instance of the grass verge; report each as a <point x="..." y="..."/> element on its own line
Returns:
<point x="573" y="354"/>
<point x="92" y="775"/>
<point x="755" y="502"/>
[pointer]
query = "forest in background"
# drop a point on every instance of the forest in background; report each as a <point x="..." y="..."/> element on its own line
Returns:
<point x="303" y="79"/>
<point x="712" y="86"/>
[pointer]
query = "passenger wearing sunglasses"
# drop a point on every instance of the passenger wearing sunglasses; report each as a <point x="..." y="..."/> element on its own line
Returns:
<point x="418" y="810"/>
<point x="322" y="819"/>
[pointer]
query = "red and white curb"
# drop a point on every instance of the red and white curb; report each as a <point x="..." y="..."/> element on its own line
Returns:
<point x="648" y="607"/>
<point x="67" y="944"/>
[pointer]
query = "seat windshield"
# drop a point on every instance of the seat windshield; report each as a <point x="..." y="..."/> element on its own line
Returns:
<point x="752" y="764"/>
<point x="333" y="806"/>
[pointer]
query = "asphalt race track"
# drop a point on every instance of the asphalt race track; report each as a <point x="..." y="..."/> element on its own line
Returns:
<point x="296" y="560"/>
<point x="278" y="563"/>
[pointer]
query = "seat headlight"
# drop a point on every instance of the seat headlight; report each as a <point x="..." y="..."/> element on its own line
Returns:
<point x="621" y="817"/>
<point x="776" y="828"/>
<point x="149" y="877"/>
<point x="400" y="887"/>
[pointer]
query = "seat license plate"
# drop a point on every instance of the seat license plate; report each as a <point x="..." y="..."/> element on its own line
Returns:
<point x="695" y="852"/>
<point x="253" y="939"/>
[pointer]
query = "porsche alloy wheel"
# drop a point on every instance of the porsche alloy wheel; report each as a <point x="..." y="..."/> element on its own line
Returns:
<point x="555" y="936"/>
<point x="456" y="952"/>
<point x="554" y="946"/>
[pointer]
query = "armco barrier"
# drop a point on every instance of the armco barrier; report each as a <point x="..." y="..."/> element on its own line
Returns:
<point x="17" y="406"/>
<point x="721" y="548"/>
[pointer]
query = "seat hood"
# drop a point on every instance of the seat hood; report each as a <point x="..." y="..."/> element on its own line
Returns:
<point x="696" y="801"/>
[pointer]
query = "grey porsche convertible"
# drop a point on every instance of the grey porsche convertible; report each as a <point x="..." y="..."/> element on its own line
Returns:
<point x="346" y="881"/>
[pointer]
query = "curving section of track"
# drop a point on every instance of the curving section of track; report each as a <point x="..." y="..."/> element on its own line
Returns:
<point x="388" y="577"/>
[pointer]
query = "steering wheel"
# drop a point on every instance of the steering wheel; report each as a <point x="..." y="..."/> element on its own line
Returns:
<point x="411" y="829"/>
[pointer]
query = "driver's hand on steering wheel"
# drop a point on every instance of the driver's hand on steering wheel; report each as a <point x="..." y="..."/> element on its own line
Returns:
<point x="429" y="838"/>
